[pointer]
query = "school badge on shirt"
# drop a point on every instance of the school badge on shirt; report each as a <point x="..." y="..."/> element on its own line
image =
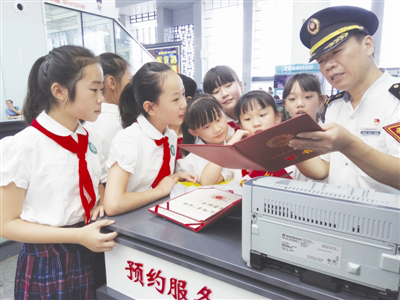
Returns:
<point x="92" y="148"/>
<point x="393" y="130"/>
<point x="172" y="150"/>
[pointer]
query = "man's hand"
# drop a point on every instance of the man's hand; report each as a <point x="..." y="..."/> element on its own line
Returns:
<point x="333" y="138"/>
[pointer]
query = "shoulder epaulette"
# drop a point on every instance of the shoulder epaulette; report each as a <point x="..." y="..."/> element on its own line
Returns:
<point x="334" y="97"/>
<point x="395" y="90"/>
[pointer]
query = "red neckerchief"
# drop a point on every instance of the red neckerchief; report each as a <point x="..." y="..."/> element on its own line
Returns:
<point x="165" y="169"/>
<point x="179" y="151"/>
<point x="233" y="125"/>
<point x="80" y="148"/>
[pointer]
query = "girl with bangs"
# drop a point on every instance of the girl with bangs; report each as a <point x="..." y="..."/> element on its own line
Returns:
<point x="302" y="95"/>
<point x="257" y="112"/>
<point x="205" y="123"/>
<point x="224" y="85"/>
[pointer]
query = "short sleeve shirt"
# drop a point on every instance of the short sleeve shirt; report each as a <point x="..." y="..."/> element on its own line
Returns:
<point x="196" y="164"/>
<point x="135" y="151"/>
<point x="377" y="108"/>
<point x="48" y="172"/>
<point x="105" y="127"/>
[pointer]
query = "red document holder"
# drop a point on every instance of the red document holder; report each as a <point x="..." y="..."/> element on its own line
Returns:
<point x="267" y="150"/>
<point x="185" y="209"/>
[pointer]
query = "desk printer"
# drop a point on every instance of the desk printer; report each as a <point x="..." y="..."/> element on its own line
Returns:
<point x="335" y="237"/>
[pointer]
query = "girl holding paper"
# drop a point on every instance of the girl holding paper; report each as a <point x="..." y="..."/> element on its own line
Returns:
<point x="302" y="94"/>
<point x="205" y="123"/>
<point x="257" y="111"/>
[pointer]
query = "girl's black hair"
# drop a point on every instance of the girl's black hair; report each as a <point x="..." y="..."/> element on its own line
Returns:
<point x="201" y="110"/>
<point x="307" y="83"/>
<point x="146" y="85"/>
<point x="63" y="65"/>
<point x="218" y="76"/>
<point x="247" y="100"/>
<point x="113" y="65"/>
<point x="190" y="85"/>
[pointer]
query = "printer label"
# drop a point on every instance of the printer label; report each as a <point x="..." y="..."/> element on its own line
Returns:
<point x="311" y="250"/>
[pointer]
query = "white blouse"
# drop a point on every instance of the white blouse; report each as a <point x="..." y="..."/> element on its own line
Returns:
<point x="135" y="151"/>
<point x="48" y="172"/>
<point x="105" y="127"/>
<point x="196" y="164"/>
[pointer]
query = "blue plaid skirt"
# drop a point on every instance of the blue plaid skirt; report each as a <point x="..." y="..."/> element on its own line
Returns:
<point x="54" y="271"/>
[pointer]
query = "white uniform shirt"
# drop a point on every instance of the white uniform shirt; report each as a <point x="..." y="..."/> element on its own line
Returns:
<point x="105" y="127"/>
<point x="377" y="108"/>
<point x="48" y="172"/>
<point x="296" y="174"/>
<point x="135" y="151"/>
<point x="196" y="164"/>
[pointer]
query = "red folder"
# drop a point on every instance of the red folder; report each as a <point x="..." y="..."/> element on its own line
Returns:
<point x="188" y="209"/>
<point x="267" y="150"/>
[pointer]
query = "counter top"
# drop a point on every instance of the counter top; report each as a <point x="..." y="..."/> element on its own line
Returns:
<point x="218" y="245"/>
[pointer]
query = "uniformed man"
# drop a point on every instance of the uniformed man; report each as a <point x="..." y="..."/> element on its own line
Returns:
<point x="361" y="153"/>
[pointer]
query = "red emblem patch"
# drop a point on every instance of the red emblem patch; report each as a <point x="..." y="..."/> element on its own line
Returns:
<point x="393" y="130"/>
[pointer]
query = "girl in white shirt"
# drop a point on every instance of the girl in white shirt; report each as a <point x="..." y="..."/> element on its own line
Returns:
<point x="50" y="174"/>
<point x="302" y="95"/>
<point x="142" y="156"/>
<point x="257" y="111"/>
<point x="205" y="123"/>
<point x="223" y="84"/>
<point x="117" y="74"/>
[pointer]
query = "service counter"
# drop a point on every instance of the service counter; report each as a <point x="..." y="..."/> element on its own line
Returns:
<point x="157" y="259"/>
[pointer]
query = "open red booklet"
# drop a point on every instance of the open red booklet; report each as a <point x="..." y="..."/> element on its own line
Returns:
<point x="199" y="208"/>
<point x="267" y="150"/>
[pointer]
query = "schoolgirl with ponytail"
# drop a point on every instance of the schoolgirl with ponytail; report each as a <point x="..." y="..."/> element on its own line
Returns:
<point x="50" y="174"/>
<point x="117" y="74"/>
<point x="142" y="156"/>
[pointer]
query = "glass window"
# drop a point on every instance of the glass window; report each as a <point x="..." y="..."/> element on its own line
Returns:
<point x="223" y="34"/>
<point x="145" y="32"/>
<point x="98" y="33"/>
<point x="271" y="47"/>
<point x="130" y="49"/>
<point x="63" y="26"/>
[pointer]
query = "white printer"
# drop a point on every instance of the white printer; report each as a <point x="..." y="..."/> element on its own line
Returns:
<point x="335" y="237"/>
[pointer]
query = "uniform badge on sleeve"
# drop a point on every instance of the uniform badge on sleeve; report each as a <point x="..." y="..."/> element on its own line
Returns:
<point x="393" y="130"/>
<point x="172" y="150"/>
<point x="92" y="148"/>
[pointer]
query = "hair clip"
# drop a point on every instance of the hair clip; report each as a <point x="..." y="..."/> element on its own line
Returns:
<point x="46" y="67"/>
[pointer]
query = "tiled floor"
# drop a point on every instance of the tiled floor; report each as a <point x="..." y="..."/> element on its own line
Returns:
<point x="7" y="276"/>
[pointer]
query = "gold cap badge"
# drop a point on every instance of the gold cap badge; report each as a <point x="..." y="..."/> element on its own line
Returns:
<point x="313" y="26"/>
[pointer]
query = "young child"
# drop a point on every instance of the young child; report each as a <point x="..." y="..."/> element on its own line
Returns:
<point x="117" y="74"/>
<point x="50" y="174"/>
<point x="224" y="85"/>
<point x="142" y="156"/>
<point x="302" y="94"/>
<point x="205" y="123"/>
<point x="257" y="111"/>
